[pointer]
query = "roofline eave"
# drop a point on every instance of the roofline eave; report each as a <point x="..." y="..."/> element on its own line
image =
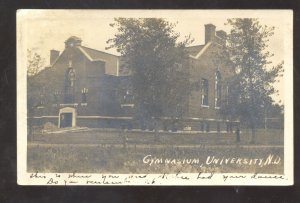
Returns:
<point x="202" y="51"/>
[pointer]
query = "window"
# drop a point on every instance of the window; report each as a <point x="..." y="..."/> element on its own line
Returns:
<point x="70" y="64"/>
<point x="218" y="89"/>
<point x="128" y="97"/>
<point x="227" y="94"/>
<point x="204" y="92"/>
<point x="69" y="86"/>
<point x="41" y="100"/>
<point x="56" y="97"/>
<point x="71" y="77"/>
<point x="84" y="92"/>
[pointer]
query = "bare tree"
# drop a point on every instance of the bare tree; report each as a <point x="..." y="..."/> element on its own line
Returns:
<point x="35" y="63"/>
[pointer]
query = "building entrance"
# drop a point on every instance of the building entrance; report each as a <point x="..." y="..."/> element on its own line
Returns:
<point x="67" y="117"/>
<point x="65" y="120"/>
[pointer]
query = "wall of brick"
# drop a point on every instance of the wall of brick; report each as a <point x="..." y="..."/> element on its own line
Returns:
<point x="206" y="67"/>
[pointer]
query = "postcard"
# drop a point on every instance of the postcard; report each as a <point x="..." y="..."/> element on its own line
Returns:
<point x="155" y="97"/>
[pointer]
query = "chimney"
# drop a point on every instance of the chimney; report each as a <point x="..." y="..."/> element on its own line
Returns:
<point x="54" y="54"/>
<point x="210" y="32"/>
<point x="222" y="35"/>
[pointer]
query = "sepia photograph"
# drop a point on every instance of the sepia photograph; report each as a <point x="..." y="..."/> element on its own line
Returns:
<point x="155" y="97"/>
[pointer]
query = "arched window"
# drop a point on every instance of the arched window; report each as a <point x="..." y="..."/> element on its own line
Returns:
<point x="84" y="92"/>
<point x="56" y="97"/>
<point x="71" y="77"/>
<point x="70" y="85"/>
<point x="218" y="89"/>
<point x="204" y="92"/>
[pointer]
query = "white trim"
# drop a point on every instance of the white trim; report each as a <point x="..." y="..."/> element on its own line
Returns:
<point x="201" y="51"/>
<point x="71" y="104"/>
<point x="204" y="81"/>
<point x="127" y="105"/>
<point x="216" y="87"/>
<point x="118" y="68"/>
<point x="56" y="60"/>
<point x="83" y="51"/>
<point x="104" y="117"/>
<point x="209" y="119"/>
<point x="68" y="110"/>
<point x="44" y="117"/>
<point x="88" y="56"/>
<point x="128" y="118"/>
<point x="218" y="36"/>
<point x="98" y="59"/>
<point x="167" y="118"/>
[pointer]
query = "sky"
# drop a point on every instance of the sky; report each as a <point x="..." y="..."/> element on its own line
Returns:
<point x="43" y="30"/>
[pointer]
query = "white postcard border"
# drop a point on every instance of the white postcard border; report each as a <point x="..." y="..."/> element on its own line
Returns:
<point x="24" y="178"/>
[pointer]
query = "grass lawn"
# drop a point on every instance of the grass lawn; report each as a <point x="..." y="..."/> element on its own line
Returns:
<point x="99" y="136"/>
<point x="103" y="152"/>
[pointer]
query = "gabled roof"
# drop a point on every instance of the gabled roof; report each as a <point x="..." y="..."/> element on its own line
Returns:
<point x="93" y="54"/>
<point x="196" y="51"/>
<point x="112" y="61"/>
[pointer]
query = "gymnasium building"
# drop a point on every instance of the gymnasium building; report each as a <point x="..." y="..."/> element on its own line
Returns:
<point x="86" y="87"/>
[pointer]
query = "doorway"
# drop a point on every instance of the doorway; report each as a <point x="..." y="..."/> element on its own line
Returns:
<point x="67" y="117"/>
<point x="65" y="120"/>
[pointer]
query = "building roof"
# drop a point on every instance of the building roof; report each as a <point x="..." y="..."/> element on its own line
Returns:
<point x="197" y="51"/>
<point x="194" y="50"/>
<point x="93" y="54"/>
<point x="74" y="38"/>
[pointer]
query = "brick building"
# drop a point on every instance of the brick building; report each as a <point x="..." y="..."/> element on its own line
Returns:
<point x="80" y="88"/>
<point x="85" y="87"/>
<point x="210" y="77"/>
